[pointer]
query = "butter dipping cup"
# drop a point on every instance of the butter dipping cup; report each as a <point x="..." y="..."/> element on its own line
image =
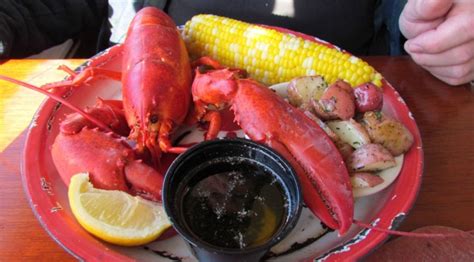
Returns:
<point x="231" y="199"/>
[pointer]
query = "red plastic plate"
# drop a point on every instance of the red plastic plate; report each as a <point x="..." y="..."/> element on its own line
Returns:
<point x="47" y="193"/>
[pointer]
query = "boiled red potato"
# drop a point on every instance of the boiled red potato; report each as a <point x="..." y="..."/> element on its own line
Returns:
<point x="390" y="133"/>
<point x="302" y="90"/>
<point x="334" y="137"/>
<point x="365" y="179"/>
<point x="344" y="148"/>
<point x="350" y="132"/>
<point x="368" y="97"/>
<point x="337" y="102"/>
<point x="387" y="175"/>
<point x="370" y="158"/>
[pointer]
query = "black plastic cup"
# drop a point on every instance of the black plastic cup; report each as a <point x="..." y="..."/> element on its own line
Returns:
<point x="201" y="157"/>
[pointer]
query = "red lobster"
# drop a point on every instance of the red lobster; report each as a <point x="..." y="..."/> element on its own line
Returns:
<point x="265" y="117"/>
<point x="156" y="80"/>
<point x="156" y="96"/>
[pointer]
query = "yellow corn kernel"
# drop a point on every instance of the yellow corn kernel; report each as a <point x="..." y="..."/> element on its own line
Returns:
<point x="271" y="56"/>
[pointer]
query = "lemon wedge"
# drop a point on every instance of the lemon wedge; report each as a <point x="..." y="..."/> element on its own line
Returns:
<point x="115" y="216"/>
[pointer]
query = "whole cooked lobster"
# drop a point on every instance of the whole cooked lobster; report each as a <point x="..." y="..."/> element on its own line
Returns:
<point x="267" y="118"/>
<point x="156" y="90"/>
<point x="156" y="80"/>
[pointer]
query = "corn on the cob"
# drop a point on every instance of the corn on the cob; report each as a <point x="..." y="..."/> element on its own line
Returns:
<point x="271" y="56"/>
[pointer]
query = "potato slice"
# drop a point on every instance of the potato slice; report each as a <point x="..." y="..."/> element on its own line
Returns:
<point x="388" y="175"/>
<point x="344" y="148"/>
<point x="390" y="133"/>
<point x="370" y="157"/>
<point x="365" y="179"/>
<point x="302" y="90"/>
<point x="323" y="126"/>
<point x="350" y="132"/>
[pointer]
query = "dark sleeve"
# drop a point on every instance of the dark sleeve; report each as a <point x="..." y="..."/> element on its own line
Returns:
<point x="387" y="29"/>
<point x="30" y="26"/>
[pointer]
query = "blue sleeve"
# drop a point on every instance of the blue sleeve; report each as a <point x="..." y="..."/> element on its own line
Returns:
<point x="388" y="14"/>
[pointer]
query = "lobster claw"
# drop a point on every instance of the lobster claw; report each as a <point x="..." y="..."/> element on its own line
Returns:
<point x="110" y="161"/>
<point x="267" y="118"/>
<point x="313" y="198"/>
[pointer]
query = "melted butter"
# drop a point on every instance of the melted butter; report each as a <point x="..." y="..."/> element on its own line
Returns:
<point x="234" y="205"/>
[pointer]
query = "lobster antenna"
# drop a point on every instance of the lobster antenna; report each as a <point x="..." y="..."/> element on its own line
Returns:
<point x="61" y="100"/>
<point x="413" y="234"/>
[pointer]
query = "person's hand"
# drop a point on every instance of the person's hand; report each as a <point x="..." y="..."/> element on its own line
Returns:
<point x="440" y="37"/>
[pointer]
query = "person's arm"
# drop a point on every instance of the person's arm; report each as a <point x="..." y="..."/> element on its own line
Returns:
<point x="440" y="37"/>
<point x="28" y="27"/>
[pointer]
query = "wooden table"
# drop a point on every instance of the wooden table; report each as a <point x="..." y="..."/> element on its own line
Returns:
<point x="444" y="114"/>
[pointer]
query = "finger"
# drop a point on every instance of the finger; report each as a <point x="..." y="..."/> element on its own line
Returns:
<point x="412" y="29"/>
<point x="452" y="32"/>
<point x="419" y="16"/>
<point x="455" y="56"/>
<point x="457" y="74"/>
<point x="456" y="81"/>
<point x="426" y="10"/>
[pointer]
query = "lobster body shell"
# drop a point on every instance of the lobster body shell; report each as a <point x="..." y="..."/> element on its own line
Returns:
<point x="266" y="117"/>
<point x="156" y="77"/>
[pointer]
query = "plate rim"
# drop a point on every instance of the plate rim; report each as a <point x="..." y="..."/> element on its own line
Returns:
<point x="378" y="238"/>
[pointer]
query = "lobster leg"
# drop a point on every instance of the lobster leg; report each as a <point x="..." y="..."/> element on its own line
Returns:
<point x="199" y="112"/>
<point x="207" y="61"/>
<point x="82" y="77"/>
<point x="164" y="138"/>
<point x="215" y="123"/>
<point x="155" y="151"/>
<point x="109" y="112"/>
